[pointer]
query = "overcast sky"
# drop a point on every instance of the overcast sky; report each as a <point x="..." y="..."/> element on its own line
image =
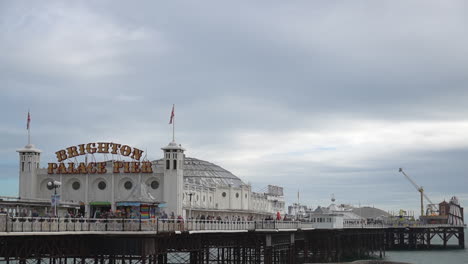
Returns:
<point x="318" y="96"/>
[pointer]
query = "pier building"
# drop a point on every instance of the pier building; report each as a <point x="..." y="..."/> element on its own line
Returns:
<point x="111" y="177"/>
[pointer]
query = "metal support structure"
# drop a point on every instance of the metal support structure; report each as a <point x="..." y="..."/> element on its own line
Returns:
<point x="269" y="247"/>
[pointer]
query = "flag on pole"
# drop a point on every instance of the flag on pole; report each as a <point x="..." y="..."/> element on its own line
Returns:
<point x="172" y="115"/>
<point x="29" y="121"/>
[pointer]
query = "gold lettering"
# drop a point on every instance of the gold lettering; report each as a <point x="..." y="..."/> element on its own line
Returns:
<point x="135" y="167"/>
<point x="127" y="167"/>
<point x="125" y="150"/>
<point x="90" y="168"/>
<point x="103" y="147"/>
<point x="61" y="155"/>
<point x="51" y="168"/>
<point x="136" y="154"/>
<point x="146" y="167"/>
<point x="101" y="168"/>
<point x="72" y="152"/>
<point x="82" y="168"/>
<point x="71" y="168"/>
<point x="115" y="147"/>
<point x="82" y="149"/>
<point x="61" y="169"/>
<point x="91" y="148"/>
<point x="117" y="166"/>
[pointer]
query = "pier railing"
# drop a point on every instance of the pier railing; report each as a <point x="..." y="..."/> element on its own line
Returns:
<point x="39" y="224"/>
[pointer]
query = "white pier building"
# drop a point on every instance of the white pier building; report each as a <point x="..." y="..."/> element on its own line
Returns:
<point x="105" y="176"/>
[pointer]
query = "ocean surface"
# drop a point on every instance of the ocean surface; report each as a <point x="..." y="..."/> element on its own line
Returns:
<point x="454" y="256"/>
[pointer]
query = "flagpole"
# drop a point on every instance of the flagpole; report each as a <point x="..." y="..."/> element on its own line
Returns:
<point x="173" y="125"/>
<point x="29" y="129"/>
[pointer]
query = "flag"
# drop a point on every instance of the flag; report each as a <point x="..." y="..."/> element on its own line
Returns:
<point x="172" y="115"/>
<point x="29" y="121"/>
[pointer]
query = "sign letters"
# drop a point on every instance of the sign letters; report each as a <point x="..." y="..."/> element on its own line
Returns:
<point x="134" y="166"/>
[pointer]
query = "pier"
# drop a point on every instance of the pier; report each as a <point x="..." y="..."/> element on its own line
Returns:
<point x="56" y="241"/>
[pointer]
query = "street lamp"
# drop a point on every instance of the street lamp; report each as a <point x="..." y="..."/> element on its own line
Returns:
<point x="55" y="185"/>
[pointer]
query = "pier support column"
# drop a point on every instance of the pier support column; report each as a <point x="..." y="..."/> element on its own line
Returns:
<point x="195" y="257"/>
<point x="461" y="237"/>
<point x="292" y="249"/>
<point x="445" y="238"/>
<point x="267" y="254"/>
<point x="162" y="258"/>
<point x="428" y="238"/>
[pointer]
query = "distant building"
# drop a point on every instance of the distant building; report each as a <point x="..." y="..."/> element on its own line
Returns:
<point x="298" y="211"/>
<point x="449" y="213"/>
<point x="452" y="211"/>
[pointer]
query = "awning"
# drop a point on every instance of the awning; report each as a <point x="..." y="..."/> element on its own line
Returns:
<point x="128" y="204"/>
<point x="100" y="203"/>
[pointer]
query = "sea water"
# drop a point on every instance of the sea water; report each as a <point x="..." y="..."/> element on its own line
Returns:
<point x="435" y="256"/>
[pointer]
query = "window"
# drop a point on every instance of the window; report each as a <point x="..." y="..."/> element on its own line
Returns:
<point x="246" y="196"/>
<point x="102" y="185"/>
<point x="128" y="185"/>
<point x="168" y="164"/>
<point x="224" y="194"/>
<point x="237" y="195"/>
<point x="203" y="198"/>
<point x="210" y="199"/>
<point x="154" y="185"/>
<point x="22" y="166"/>
<point x="175" y="164"/>
<point x="76" y="185"/>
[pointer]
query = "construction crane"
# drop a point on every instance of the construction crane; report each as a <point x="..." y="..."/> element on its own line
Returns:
<point x="420" y="189"/>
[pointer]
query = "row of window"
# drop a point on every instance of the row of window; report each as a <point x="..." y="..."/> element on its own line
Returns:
<point x="321" y="220"/>
<point x="102" y="185"/>
<point x="196" y="197"/>
<point x="237" y="195"/>
<point x="29" y="165"/>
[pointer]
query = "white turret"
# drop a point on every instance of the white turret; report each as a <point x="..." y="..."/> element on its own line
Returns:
<point x="29" y="159"/>
<point x="173" y="178"/>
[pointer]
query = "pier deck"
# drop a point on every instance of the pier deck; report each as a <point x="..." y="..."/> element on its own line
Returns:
<point x="168" y="241"/>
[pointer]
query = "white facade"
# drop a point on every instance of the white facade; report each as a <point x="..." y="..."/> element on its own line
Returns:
<point x="327" y="221"/>
<point x="177" y="184"/>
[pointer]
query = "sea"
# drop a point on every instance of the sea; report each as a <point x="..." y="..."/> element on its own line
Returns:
<point x="435" y="256"/>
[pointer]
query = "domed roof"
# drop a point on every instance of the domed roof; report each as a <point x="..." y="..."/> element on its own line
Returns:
<point x="208" y="174"/>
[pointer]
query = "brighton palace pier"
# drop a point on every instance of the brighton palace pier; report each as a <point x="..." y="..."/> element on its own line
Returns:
<point x="97" y="178"/>
<point x="228" y="223"/>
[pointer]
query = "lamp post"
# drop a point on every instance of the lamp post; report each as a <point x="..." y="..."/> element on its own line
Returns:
<point x="55" y="185"/>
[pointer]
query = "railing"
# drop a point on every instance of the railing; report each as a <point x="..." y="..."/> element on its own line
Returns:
<point x="39" y="224"/>
<point x="358" y="225"/>
<point x="396" y="225"/>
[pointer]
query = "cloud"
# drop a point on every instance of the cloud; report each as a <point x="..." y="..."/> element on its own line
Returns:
<point x="324" y="97"/>
<point x="71" y="41"/>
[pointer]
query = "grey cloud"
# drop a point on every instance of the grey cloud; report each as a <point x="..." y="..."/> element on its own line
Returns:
<point x="235" y="69"/>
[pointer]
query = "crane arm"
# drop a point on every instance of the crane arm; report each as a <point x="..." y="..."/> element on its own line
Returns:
<point x="419" y="188"/>
<point x="412" y="182"/>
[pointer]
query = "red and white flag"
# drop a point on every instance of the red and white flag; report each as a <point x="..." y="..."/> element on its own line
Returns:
<point x="29" y="121"/>
<point x="172" y="115"/>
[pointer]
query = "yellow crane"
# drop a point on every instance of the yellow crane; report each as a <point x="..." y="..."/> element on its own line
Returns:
<point x="431" y="207"/>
